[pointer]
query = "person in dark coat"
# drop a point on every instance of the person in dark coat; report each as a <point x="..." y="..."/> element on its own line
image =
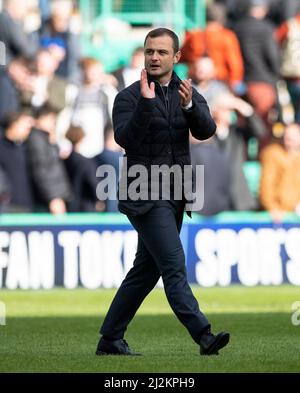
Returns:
<point x="4" y="191"/>
<point x="111" y="155"/>
<point x="15" y="79"/>
<point x="56" y="36"/>
<point x="18" y="195"/>
<point x="261" y="58"/>
<point x="152" y="119"/>
<point x="51" y="183"/>
<point x="82" y="174"/>
<point x="282" y="10"/>
<point x="217" y="176"/>
<point x="235" y="10"/>
<point x="232" y="137"/>
<point x="11" y="103"/>
<point x="12" y="34"/>
<point x="279" y="10"/>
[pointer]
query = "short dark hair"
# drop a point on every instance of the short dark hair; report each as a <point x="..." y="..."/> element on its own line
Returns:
<point x="163" y="31"/>
<point x="10" y="118"/>
<point x="45" y="110"/>
<point x="216" y="13"/>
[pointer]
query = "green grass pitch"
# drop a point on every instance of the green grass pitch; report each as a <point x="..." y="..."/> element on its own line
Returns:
<point x="57" y="331"/>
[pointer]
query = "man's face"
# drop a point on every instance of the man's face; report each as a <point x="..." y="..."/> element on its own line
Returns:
<point x="160" y="56"/>
<point x="203" y="70"/>
<point x="94" y="73"/>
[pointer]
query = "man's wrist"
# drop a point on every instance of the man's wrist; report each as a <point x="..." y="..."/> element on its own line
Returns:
<point x="188" y="106"/>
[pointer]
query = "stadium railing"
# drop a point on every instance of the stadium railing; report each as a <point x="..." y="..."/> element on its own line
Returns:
<point x="100" y="40"/>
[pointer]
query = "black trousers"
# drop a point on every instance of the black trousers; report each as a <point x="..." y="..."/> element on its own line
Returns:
<point x="159" y="253"/>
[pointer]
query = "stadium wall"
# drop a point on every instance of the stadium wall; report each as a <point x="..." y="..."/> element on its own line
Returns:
<point x="42" y="251"/>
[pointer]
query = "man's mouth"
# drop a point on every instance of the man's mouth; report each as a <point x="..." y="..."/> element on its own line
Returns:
<point x="154" y="66"/>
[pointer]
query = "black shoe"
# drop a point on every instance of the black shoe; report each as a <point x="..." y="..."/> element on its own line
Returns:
<point x="116" y="347"/>
<point x="210" y="344"/>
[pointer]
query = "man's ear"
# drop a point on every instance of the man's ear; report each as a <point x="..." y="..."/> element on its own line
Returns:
<point x="177" y="57"/>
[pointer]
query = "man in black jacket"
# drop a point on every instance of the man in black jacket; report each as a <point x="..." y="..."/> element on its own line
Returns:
<point x="152" y="123"/>
<point x="17" y="196"/>
<point x="50" y="180"/>
<point x="82" y="174"/>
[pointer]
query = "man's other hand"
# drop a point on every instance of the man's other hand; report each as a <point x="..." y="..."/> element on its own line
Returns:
<point x="146" y="91"/>
<point x="185" y="91"/>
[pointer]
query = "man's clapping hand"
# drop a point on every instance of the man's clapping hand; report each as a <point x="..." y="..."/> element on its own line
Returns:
<point x="146" y="91"/>
<point x="185" y="91"/>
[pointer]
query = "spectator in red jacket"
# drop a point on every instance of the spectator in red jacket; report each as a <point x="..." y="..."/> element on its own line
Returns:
<point x="219" y="43"/>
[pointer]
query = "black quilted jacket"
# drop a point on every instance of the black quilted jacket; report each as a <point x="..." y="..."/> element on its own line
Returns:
<point x="156" y="132"/>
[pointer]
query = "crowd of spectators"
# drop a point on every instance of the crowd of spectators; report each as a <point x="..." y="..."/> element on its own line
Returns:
<point x="56" y="108"/>
<point x="246" y="63"/>
<point x="55" y="113"/>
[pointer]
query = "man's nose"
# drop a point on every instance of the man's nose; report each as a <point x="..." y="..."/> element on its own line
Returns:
<point x="154" y="56"/>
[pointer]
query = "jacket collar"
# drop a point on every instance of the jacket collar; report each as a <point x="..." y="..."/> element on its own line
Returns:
<point x="174" y="79"/>
<point x="174" y="97"/>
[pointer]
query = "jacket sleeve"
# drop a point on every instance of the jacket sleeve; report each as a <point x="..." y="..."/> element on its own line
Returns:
<point x="201" y="123"/>
<point x="131" y="121"/>
<point x="271" y="51"/>
<point x="235" y="62"/>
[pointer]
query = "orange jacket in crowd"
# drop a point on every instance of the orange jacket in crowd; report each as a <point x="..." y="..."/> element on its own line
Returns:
<point x="280" y="179"/>
<point x="219" y="43"/>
